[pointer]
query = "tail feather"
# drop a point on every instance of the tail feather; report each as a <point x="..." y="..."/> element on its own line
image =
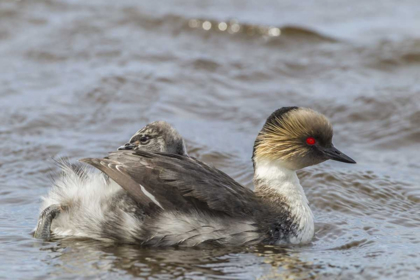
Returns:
<point x="84" y="193"/>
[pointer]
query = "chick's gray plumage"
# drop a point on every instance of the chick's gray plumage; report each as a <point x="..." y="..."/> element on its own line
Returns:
<point x="86" y="203"/>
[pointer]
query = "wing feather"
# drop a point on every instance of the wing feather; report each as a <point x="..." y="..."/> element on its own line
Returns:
<point x="117" y="173"/>
<point x="177" y="182"/>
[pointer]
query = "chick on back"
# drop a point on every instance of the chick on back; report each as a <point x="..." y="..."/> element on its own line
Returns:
<point x="84" y="202"/>
<point x="176" y="200"/>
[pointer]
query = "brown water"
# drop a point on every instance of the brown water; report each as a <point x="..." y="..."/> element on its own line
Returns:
<point x="78" y="78"/>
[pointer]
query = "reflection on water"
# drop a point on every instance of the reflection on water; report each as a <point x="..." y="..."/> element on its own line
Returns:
<point x="81" y="77"/>
<point x="88" y="257"/>
<point x="233" y="27"/>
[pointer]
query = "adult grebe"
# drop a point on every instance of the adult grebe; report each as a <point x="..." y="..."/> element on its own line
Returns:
<point x="86" y="203"/>
<point x="188" y="203"/>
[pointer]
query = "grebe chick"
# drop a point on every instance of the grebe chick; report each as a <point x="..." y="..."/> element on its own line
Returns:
<point x="84" y="202"/>
<point x="188" y="203"/>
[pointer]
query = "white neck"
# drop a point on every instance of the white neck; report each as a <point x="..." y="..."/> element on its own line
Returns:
<point x="284" y="182"/>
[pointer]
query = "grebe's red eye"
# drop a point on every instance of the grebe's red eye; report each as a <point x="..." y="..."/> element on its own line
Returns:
<point x="310" y="141"/>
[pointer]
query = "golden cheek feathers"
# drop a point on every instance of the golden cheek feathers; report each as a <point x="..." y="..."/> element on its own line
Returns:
<point x="281" y="137"/>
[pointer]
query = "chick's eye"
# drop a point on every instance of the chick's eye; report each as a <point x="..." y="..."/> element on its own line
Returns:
<point x="310" y="141"/>
<point x="145" y="139"/>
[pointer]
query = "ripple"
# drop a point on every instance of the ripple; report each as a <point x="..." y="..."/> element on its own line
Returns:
<point x="81" y="77"/>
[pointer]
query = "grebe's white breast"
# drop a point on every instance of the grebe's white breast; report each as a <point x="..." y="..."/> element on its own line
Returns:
<point x="283" y="182"/>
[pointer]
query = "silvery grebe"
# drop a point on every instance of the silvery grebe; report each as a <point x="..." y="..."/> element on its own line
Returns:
<point x="85" y="203"/>
<point x="185" y="202"/>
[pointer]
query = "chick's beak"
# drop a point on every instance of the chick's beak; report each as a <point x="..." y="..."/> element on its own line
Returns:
<point x="127" y="146"/>
<point x="335" y="154"/>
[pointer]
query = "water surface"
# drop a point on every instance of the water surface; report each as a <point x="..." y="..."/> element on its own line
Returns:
<point x="79" y="78"/>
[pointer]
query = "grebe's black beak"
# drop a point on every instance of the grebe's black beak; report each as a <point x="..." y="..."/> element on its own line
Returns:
<point x="127" y="146"/>
<point x="335" y="154"/>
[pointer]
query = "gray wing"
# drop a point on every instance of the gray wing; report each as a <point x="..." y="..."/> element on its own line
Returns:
<point x="176" y="182"/>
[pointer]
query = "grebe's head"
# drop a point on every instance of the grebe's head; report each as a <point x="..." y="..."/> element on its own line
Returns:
<point x="156" y="137"/>
<point x="295" y="138"/>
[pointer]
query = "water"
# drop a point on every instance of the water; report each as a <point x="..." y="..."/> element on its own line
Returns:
<point x="78" y="78"/>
